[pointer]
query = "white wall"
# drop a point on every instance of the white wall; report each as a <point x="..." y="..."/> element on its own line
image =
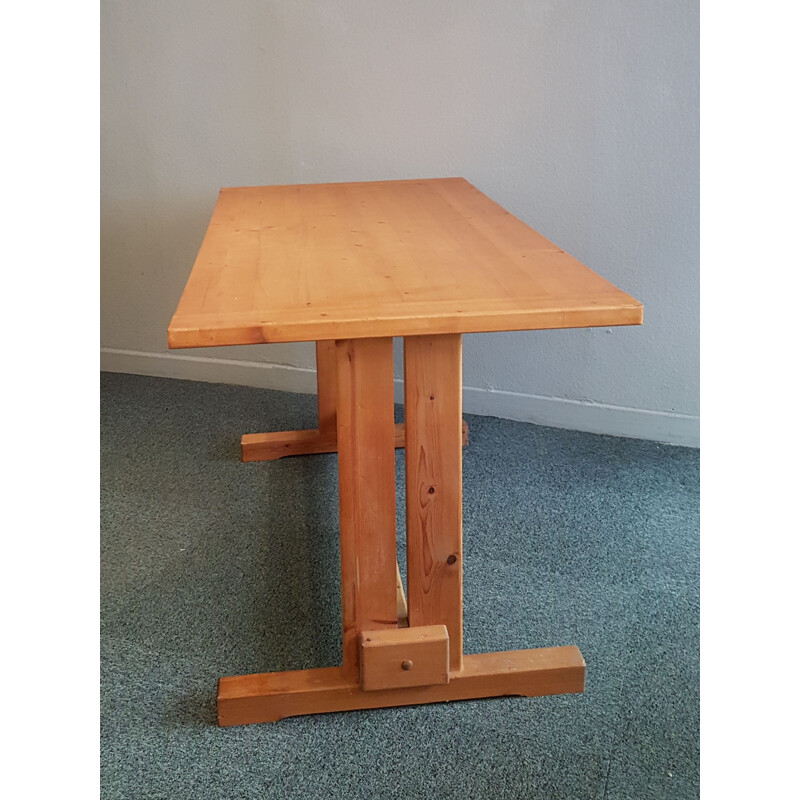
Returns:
<point x="580" y="117"/>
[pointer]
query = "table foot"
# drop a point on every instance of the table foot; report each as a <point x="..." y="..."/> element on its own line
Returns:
<point x="270" y="696"/>
<point x="271" y="446"/>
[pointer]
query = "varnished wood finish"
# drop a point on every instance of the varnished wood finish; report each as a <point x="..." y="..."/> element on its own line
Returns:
<point x="400" y="657"/>
<point x="271" y="696"/>
<point x="365" y="425"/>
<point x="388" y="258"/>
<point x="433" y="484"/>
<point x="359" y="263"/>
<point x="326" y="388"/>
<point x="271" y="446"/>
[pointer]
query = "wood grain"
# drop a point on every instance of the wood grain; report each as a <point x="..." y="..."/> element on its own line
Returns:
<point x="365" y="427"/>
<point x="433" y="484"/>
<point x="268" y="697"/>
<point x="400" y="657"/>
<point x="326" y="388"/>
<point x="271" y="446"/>
<point x="387" y="258"/>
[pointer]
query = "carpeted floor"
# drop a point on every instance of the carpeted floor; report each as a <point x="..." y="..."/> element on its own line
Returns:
<point x="211" y="567"/>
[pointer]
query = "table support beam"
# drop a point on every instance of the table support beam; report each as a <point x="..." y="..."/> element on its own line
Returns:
<point x="356" y="418"/>
<point x="367" y="531"/>
<point x="433" y="484"/>
<point x="326" y="389"/>
<point x="271" y="696"/>
<point x="271" y="446"/>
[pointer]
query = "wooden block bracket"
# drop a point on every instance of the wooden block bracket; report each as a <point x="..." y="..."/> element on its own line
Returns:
<point x="402" y="657"/>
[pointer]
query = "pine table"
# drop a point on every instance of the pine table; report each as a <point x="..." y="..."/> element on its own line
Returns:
<point x="349" y="266"/>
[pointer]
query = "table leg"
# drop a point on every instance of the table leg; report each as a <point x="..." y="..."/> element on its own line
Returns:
<point x="271" y="446"/>
<point x="326" y="388"/>
<point x="365" y="426"/>
<point x="433" y="484"/>
<point x="422" y="663"/>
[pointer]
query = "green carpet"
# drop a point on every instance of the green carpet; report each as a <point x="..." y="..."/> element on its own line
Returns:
<point x="210" y="567"/>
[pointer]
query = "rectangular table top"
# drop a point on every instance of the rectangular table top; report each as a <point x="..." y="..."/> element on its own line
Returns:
<point x="385" y="258"/>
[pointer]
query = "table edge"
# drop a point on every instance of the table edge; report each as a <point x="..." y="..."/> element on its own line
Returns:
<point x="191" y="331"/>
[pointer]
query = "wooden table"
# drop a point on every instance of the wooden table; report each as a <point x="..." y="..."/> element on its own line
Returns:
<point x="349" y="266"/>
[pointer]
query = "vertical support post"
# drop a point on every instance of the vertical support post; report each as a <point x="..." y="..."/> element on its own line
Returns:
<point x="326" y="387"/>
<point x="365" y="430"/>
<point x="433" y="484"/>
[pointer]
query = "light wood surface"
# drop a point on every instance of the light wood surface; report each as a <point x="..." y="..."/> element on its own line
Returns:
<point x="326" y="388"/>
<point x="268" y="697"/>
<point x="433" y="484"/>
<point x="350" y="266"/>
<point x="401" y="657"/>
<point x="365" y="427"/>
<point x="386" y="258"/>
<point x="278" y="444"/>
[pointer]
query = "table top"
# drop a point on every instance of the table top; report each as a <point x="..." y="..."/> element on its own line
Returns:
<point x="385" y="258"/>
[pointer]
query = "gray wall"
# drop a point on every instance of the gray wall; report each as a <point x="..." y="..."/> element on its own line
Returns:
<point x="580" y="117"/>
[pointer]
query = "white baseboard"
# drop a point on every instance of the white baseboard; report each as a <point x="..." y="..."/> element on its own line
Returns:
<point x="284" y="377"/>
<point x="556" y="412"/>
<point x="578" y="415"/>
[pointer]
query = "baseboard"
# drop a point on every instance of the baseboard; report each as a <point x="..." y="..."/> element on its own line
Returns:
<point x="578" y="415"/>
<point x="283" y="377"/>
<point x="556" y="412"/>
